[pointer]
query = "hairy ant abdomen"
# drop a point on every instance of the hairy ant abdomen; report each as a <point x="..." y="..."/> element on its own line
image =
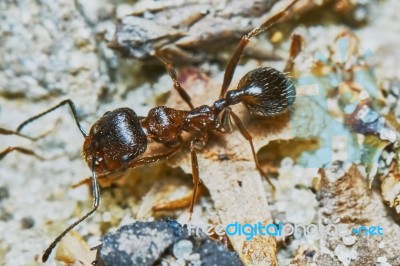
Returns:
<point x="115" y="140"/>
<point x="264" y="91"/>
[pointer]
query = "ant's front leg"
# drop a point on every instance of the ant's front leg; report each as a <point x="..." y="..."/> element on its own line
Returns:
<point x="154" y="158"/>
<point x="104" y="180"/>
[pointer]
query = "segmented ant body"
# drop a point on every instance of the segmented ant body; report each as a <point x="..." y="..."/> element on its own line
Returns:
<point x="118" y="140"/>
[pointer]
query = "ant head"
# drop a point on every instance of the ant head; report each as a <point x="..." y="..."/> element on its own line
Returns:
<point x="115" y="140"/>
<point x="266" y="91"/>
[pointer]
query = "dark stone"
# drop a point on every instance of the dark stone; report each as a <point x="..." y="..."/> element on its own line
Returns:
<point x="148" y="243"/>
<point x="27" y="222"/>
<point x="4" y="193"/>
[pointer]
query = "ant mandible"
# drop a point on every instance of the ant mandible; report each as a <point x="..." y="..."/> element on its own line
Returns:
<point x="119" y="138"/>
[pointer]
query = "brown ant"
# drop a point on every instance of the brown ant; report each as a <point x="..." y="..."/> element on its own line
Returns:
<point x="119" y="138"/>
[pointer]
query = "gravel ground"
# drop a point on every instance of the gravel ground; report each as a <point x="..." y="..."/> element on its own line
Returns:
<point x="54" y="50"/>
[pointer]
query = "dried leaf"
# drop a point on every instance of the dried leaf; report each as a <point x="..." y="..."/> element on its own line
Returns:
<point x="391" y="190"/>
<point x="74" y="251"/>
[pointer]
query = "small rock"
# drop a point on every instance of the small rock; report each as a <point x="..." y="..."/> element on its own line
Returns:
<point x="167" y="242"/>
<point x="183" y="249"/>
<point x="349" y="240"/>
<point x="381" y="259"/>
<point x="27" y="222"/>
<point x="4" y="193"/>
<point x="345" y="254"/>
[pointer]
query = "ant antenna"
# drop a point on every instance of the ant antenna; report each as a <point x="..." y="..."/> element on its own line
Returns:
<point x="71" y="106"/>
<point x="96" y="203"/>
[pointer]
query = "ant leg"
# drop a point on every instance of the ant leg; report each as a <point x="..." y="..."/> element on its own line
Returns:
<point x="295" y="48"/>
<point x="155" y="158"/>
<point x="196" y="177"/>
<point x="134" y="164"/>
<point x="71" y="106"/>
<point x="245" y="133"/>
<point x="104" y="181"/>
<point x="21" y="150"/>
<point x="174" y="204"/>
<point x="96" y="204"/>
<point x="172" y="73"/>
<point x="231" y="66"/>
<point x="226" y="122"/>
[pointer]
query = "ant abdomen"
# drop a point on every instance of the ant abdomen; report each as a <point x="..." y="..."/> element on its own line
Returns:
<point x="264" y="91"/>
<point x="115" y="140"/>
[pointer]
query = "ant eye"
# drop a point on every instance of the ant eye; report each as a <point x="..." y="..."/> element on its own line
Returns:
<point x="267" y="92"/>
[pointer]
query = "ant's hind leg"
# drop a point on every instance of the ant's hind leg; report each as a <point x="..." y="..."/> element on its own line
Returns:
<point x="154" y="158"/>
<point x="172" y="73"/>
<point x="245" y="133"/>
<point x="296" y="44"/>
<point x="231" y="66"/>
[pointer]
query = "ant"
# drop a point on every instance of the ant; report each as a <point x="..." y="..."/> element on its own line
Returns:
<point x="118" y="140"/>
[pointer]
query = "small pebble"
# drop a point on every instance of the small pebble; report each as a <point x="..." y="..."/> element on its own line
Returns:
<point x="4" y="215"/>
<point x="107" y="217"/>
<point x="349" y="240"/>
<point x="27" y="222"/>
<point x="183" y="249"/>
<point x="381" y="259"/>
<point x="4" y="193"/>
<point x="178" y="263"/>
<point x="194" y="256"/>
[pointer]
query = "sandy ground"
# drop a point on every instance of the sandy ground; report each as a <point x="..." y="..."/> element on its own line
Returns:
<point x="49" y="52"/>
